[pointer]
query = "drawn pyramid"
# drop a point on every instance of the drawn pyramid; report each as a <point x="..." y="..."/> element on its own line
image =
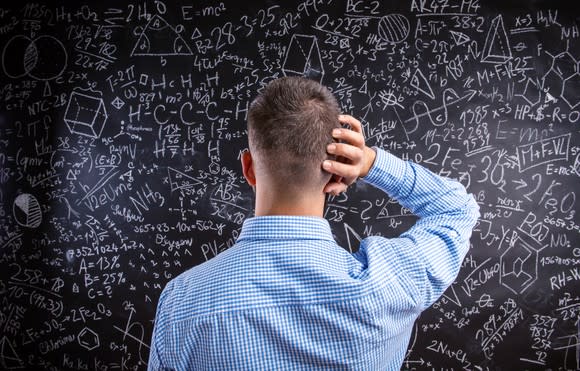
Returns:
<point x="303" y="58"/>
<point x="497" y="46"/>
<point x="159" y="38"/>
<point x="459" y="37"/>
<point x="8" y="357"/>
<point x="419" y="82"/>
<point x="179" y="180"/>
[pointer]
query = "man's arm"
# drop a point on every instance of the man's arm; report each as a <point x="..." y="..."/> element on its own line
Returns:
<point x="157" y="343"/>
<point x="429" y="254"/>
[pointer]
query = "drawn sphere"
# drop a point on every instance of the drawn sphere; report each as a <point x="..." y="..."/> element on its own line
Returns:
<point x="27" y="211"/>
<point x="394" y="28"/>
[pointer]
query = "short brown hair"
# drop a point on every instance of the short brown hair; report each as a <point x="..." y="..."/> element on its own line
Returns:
<point x="289" y="126"/>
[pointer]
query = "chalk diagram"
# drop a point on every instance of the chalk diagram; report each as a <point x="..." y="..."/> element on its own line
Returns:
<point x="43" y="58"/>
<point x="459" y="38"/>
<point x="303" y="58"/>
<point x="8" y="358"/>
<point x="419" y="82"/>
<point x="88" y="339"/>
<point x="27" y="211"/>
<point x="85" y="114"/>
<point x="531" y="92"/>
<point x="118" y="103"/>
<point x="438" y="115"/>
<point x="497" y="46"/>
<point x="158" y="38"/>
<point x="519" y="264"/>
<point x="394" y="28"/>
<point x="563" y="78"/>
<point x="179" y="180"/>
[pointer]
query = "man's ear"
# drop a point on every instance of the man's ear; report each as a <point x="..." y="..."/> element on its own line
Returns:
<point x="248" y="168"/>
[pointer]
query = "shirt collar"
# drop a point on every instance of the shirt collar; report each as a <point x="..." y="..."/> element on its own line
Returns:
<point x="285" y="227"/>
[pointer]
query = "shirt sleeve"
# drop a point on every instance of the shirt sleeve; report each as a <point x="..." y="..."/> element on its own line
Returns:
<point x="156" y="351"/>
<point x="428" y="255"/>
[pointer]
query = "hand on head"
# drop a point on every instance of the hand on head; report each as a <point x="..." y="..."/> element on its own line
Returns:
<point x="353" y="158"/>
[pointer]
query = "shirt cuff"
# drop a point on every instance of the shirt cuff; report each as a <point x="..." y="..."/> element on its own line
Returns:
<point x="388" y="171"/>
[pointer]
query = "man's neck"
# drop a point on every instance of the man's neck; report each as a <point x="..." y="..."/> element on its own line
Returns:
<point x="271" y="203"/>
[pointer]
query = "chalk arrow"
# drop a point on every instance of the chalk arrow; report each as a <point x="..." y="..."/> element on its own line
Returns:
<point x="521" y="183"/>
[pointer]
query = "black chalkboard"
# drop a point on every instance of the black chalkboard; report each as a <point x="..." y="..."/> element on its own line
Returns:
<point x="121" y="125"/>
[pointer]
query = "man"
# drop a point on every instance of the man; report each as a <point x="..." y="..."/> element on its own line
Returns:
<point x="286" y="296"/>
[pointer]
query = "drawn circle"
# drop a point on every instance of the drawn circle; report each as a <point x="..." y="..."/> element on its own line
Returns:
<point x="49" y="57"/>
<point x="12" y="65"/>
<point x="43" y="58"/>
<point x="394" y="28"/>
<point x="26" y="210"/>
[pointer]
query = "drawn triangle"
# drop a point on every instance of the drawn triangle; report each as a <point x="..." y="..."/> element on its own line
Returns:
<point x="459" y="37"/>
<point x="70" y="175"/>
<point x="497" y="47"/>
<point x="351" y="236"/>
<point x="160" y="39"/>
<point x="196" y="34"/>
<point x="451" y="295"/>
<point x="8" y="357"/>
<point x="179" y="180"/>
<point x="47" y="92"/>
<point x="363" y="88"/>
<point x="550" y="98"/>
<point x="419" y="82"/>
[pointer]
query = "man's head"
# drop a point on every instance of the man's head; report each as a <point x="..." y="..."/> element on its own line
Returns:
<point x="289" y="126"/>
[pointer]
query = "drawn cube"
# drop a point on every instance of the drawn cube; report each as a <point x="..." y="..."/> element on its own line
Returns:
<point x="303" y="58"/>
<point x="88" y="339"/>
<point x="85" y="115"/>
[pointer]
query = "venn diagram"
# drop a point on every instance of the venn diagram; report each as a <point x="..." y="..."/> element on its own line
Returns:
<point x="41" y="58"/>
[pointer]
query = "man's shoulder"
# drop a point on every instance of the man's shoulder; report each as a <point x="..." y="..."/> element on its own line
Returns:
<point x="200" y="289"/>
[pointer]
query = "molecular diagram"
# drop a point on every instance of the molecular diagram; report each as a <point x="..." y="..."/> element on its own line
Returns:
<point x="563" y="77"/>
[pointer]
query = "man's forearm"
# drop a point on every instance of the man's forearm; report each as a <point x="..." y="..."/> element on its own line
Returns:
<point x="422" y="191"/>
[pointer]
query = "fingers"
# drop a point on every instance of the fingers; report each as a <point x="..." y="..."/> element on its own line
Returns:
<point x="347" y="171"/>
<point x="349" y="154"/>
<point x="352" y="122"/>
<point x="349" y="136"/>
<point x="347" y="151"/>
<point x="335" y="188"/>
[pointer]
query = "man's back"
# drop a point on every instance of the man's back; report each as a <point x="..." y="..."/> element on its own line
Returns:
<point x="286" y="296"/>
<point x="286" y="301"/>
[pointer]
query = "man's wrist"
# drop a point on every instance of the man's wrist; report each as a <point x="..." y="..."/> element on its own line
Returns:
<point x="369" y="159"/>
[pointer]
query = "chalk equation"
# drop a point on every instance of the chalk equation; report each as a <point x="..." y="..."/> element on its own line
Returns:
<point x="122" y="126"/>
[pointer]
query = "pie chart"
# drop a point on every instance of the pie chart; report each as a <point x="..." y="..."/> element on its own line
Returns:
<point x="27" y="211"/>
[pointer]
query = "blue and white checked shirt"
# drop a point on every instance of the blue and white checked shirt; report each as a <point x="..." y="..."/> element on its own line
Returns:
<point x="287" y="297"/>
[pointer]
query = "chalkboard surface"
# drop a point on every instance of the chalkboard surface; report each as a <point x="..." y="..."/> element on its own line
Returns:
<point x="121" y="126"/>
